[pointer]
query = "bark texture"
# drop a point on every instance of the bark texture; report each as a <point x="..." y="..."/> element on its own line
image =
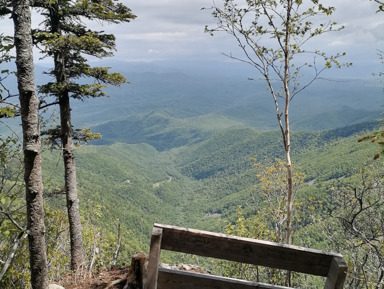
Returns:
<point x="75" y="228"/>
<point x="287" y="131"/>
<point x="29" y="110"/>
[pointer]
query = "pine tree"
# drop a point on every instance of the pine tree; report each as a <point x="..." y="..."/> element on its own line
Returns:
<point x="64" y="37"/>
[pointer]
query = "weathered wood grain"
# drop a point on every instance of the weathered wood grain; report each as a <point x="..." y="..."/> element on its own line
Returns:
<point x="245" y="250"/>
<point x="232" y="248"/>
<point x="337" y="274"/>
<point x="173" y="279"/>
<point x="150" y="281"/>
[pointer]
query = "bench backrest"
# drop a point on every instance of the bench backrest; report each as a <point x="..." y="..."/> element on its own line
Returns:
<point x="232" y="248"/>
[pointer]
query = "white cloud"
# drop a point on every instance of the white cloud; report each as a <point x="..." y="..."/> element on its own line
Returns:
<point x="378" y="33"/>
<point x="156" y="36"/>
<point x="153" y="51"/>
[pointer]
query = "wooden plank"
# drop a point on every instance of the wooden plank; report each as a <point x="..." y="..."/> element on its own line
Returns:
<point x="150" y="278"/>
<point x="337" y="274"/>
<point x="174" y="279"/>
<point x="245" y="250"/>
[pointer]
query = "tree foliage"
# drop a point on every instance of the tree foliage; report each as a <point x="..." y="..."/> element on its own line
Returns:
<point x="378" y="136"/>
<point x="12" y="215"/>
<point x="381" y="5"/>
<point x="64" y="36"/>
<point x="12" y="205"/>
<point x="359" y="210"/>
<point x="273" y="187"/>
<point x="266" y="221"/>
<point x="7" y="107"/>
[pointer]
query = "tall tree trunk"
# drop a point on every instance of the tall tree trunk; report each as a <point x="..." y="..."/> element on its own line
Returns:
<point x="29" y="110"/>
<point x="287" y="135"/>
<point x="287" y="147"/>
<point x="75" y="229"/>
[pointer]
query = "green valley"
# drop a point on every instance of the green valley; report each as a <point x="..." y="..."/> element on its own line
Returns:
<point x="168" y="174"/>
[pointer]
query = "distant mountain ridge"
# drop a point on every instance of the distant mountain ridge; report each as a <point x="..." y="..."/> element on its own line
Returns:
<point x="186" y="91"/>
<point x="191" y="89"/>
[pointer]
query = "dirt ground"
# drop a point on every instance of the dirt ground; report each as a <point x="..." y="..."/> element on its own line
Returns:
<point x="116" y="278"/>
<point x="107" y="279"/>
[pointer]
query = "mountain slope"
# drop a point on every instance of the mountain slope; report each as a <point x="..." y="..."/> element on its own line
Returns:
<point x="200" y="184"/>
<point x="161" y="129"/>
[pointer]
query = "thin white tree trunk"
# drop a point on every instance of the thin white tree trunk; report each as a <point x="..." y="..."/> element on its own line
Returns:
<point x="11" y="256"/>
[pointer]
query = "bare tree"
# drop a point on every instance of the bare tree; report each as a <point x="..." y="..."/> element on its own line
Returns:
<point x="12" y="220"/>
<point x="273" y="36"/>
<point x="359" y="209"/>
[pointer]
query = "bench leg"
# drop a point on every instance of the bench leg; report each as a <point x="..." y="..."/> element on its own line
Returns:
<point x="336" y="274"/>
<point x="150" y="281"/>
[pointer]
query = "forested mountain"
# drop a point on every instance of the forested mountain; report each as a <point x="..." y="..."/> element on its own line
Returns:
<point x="177" y="177"/>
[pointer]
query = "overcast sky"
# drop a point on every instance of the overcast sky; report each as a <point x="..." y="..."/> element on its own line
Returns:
<point x="174" y="30"/>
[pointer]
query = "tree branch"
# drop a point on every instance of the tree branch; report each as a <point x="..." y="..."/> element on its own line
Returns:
<point x="11" y="256"/>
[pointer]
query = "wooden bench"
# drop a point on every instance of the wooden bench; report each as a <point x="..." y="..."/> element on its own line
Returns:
<point x="251" y="251"/>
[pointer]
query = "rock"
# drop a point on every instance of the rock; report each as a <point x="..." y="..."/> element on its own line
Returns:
<point x="185" y="267"/>
<point x="55" y="286"/>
